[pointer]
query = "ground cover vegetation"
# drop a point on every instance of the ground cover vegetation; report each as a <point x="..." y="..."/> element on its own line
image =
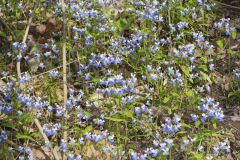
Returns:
<point x="108" y="79"/>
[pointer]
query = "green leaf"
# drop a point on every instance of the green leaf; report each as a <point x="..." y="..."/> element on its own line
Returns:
<point x="65" y="127"/>
<point x="123" y="24"/>
<point x="233" y="35"/>
<point x="186" y="125"/>
<point x="220" y="44"/>
<point x="26" y="118"/>
<point x="190" y="93"/>
<point x="181" y="132"/>
<point x="196" y="156"/>
<point x="166" y="99"/>
<point x="214" y="123"/>
<point x="2" y="34"/>
<point x="204" y="67"/>
<point x="163" y="157"/>
<point x="185" y="71"/>
<point x="184" y="138"/>
<point x="128" y="114"/>
<point x="169" y="111"/>
<point x="23" y="136"/>
<point x="234" y="94"/>
<point x="116" y="119"/>
<point x="4" y="152"/>
<point x="190" y="80"/>
<point x="207" y="132"/>
<point x="197" y="124"/>
<point x="174" y="94"/>
<point x="87" y="113"/>
<point x="36" y="134"/>
<point x="87" y="129"/>
<point x="165" y="81"/>
<point x="206" y="77"/>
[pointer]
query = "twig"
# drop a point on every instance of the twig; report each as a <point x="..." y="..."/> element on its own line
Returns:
<point x="64" y="69"/>
<point x="226" y="5"/>
<point x="23" y="42"/>
<point x="19" y="76"/>
<point x="43" y="73"/>
<point x="54" y="152"/>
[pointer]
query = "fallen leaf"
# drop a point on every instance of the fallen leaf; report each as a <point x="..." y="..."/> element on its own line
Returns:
<point x="41" y="29"/>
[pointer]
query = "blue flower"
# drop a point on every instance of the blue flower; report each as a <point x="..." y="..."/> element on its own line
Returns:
<point x="54" y="74"/>
<point x="25" y="78"/>
<point x="169" y="142"/>
<point x="211" y="67"/>
<point x="134" y="156"/>
<point x="20" y="6"/>
<point x="111" y="139"/>
<point x="79" y="157"/>
<point x="20" y="149"/>
<point x="16" y="45"/>
<point x="215" y="151"/>
<point x="51" y="130"/>
<point x="3" y="136"/>
<point x="182" y="25"/>
<point x="70" y="157"/>
<point x="236" y="72"/>
<point x="194" y="117"/>
<point x="138" y="111"/>
<point x="172" y="128"/>
<point x="47" y="54"/>
<point x="63" y="146"/>
<point x="47" y="145"/>
<point x="19" y="58"/>
<point x="88" y="77"/>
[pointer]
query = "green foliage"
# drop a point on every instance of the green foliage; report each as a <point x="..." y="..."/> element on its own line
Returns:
<point x="128" y="72"/>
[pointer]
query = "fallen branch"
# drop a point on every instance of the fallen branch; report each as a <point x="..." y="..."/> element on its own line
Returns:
<point x="227" y="5"/>
<point x="64" y="71"/>
<point x="54" y="152"/>
<point x="46" y="72"/>
<point x="20" y="54"/>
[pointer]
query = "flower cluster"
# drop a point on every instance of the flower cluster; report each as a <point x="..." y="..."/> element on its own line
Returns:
<point x="54" y="74"/>
<point x="224" y="24"/>
<point x="25" y="78"/>
<point x="25" y="153"/>
<point x="6" y="108"/>
<point x="125" y="46"/>
<point x="50" y="129"/>
<point x="22" y="47"/>
<point x="222" y="146"/>
<point x="3" y="137"/>
<point x="151" y="10"/>
<point x="97" y="137"/>
<point x="161" y="147"/>
<point x="184" y="51"/>
<point x="172" y="126"/>
<point x="126" y="86"/>
<point x="103" y="60"/>
<point x="210" y="110"/>
<point x="236" y="72"/>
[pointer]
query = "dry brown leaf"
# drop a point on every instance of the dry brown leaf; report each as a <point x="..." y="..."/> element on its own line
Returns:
<point x="51" y="22"/>
<point x="3" y="116"/>
<point x="227" y="157"/>
<point x="91" y="152"/>
<point x="59" y="94"/>
<point x="39" y="154"/>
<point x="41" y="29"/>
